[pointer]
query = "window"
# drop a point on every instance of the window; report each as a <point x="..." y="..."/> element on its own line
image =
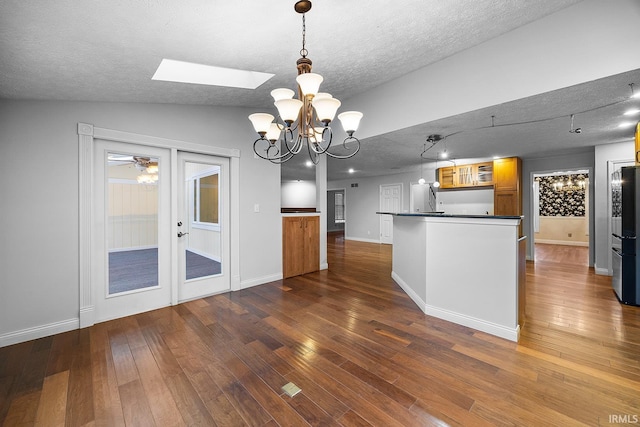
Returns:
<point x="339" y="212"/>
<point x="205" y="200"/>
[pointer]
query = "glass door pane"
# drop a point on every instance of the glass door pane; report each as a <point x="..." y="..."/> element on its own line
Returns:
<point x="132" y="222"/>
<point x="202" y="237"/>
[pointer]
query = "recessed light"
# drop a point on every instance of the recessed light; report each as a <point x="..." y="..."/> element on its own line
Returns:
<point x="309" y="163"/>
<point x="171" y="70"/>
<point x="631" y="112"/>
<point x="351" y="170"/>
<point x="626" y="124"/>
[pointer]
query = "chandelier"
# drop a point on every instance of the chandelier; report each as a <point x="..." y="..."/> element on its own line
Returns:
<point x="303" y="121"/>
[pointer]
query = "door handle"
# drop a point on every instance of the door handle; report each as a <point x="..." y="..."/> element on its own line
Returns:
<point x="180" y="234"/>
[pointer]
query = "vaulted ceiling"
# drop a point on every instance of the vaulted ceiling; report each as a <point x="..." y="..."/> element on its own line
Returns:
<point x="94" y="50"/>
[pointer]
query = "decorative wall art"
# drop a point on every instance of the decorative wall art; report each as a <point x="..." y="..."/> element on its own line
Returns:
<point x="563" y="195"/>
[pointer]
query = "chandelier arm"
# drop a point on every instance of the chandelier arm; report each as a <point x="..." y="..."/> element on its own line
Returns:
<point x="320" y="149"/>
<point x="268" y="150"/>
<point x="344" y="143"/>
<point x="314" y="156"/>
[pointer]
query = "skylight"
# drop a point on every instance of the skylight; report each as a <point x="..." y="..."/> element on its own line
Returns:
<point x="171" y="70"/>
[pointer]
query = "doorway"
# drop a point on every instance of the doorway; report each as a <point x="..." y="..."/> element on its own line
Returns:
<point x="561" y="226"/>
<point x="148" y="226"/>
<point x="336" y="211"/>
<point x="390" y="201"/>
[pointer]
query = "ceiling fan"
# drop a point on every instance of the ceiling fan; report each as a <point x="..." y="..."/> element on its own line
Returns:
<point x="143" y="164"/>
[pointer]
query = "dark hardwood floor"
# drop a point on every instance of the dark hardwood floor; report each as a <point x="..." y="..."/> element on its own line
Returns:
<point x="357" y="346"/>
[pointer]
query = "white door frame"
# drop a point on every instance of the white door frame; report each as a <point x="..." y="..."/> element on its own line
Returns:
<point x="86" y="135"/>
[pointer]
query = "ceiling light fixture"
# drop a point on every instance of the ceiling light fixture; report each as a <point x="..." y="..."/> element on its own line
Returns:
<point x="433" y="140"/>
<point x="303" y="121"/>
<point x="572" y="130"/>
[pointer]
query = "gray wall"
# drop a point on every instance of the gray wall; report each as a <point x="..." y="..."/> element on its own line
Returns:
<point x="39" y="186"/>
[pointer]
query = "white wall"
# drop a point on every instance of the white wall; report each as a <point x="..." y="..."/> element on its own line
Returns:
<point x="552" y="53"/>
<point x="603" y="154"/>
<point x="363" y="201"/>
<point x="39" y="283"/>
<point x="466" y="202"/>
<point x="298" y="194"/>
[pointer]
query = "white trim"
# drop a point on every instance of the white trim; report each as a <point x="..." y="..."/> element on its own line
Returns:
<point x="87" y="133"/>
<point x="86" y="311"/>
<point x="407" y="289"/>
<point x="154" y="141"/>
<point x="38" y="332"/>
<point x="358" y="239"/>
<point x="234" y="200"/>
<point x="260" y="281"/>
<point x="511" y="334"/>
<point x="562" y="242"/>
<point x="602" y="271"/>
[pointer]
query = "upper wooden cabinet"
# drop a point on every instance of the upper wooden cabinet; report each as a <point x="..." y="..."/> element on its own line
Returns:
<point x="507" y="195"/>
<point x="507" y="174"/>
<point x="466" y="176"/>
<point x="300" y="245"/>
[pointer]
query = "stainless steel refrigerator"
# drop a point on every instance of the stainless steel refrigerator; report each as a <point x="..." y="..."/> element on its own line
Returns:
<point x="625" y="227"/>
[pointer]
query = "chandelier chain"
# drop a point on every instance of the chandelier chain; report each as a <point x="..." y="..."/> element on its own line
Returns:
<point x="304" y="51"/>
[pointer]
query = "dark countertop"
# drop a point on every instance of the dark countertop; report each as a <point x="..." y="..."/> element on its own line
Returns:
<point x="442" y="214"/>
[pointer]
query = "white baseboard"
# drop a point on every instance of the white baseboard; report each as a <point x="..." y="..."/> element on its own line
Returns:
<point x="562" y="242"/>
<point x="511" y="334"/>
<point x="358" y="239"/>
<point x="87" y="316"/>
<point x="405" y="287"/>
<point x="260" y="281"/>
<point x="601" y="271"/>
<point x="38" y="332"/>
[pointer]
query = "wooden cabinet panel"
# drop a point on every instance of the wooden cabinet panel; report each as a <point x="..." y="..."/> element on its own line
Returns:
<point x="506" y="174"/>
<point x="311" y="244"/>
<point x="506" y="203"/>
<point x="300" y="245"/>
<point x="446" y="177"/>
<point x="466" y="176"/>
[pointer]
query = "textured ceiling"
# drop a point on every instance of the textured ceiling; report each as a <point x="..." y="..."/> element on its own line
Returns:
<point x="108" y="50"/>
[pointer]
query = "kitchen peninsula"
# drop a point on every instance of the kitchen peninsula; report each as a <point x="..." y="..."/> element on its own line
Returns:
<point x="466" y="269"/>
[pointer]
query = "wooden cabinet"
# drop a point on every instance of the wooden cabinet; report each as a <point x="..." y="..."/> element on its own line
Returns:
<point x="300" y="245"/>
<point x="466" y="176"/>
<point x="507" y="195"/>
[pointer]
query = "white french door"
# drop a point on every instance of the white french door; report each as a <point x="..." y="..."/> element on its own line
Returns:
<point x="132" y="242"/>
<point x="203" y="237"/>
